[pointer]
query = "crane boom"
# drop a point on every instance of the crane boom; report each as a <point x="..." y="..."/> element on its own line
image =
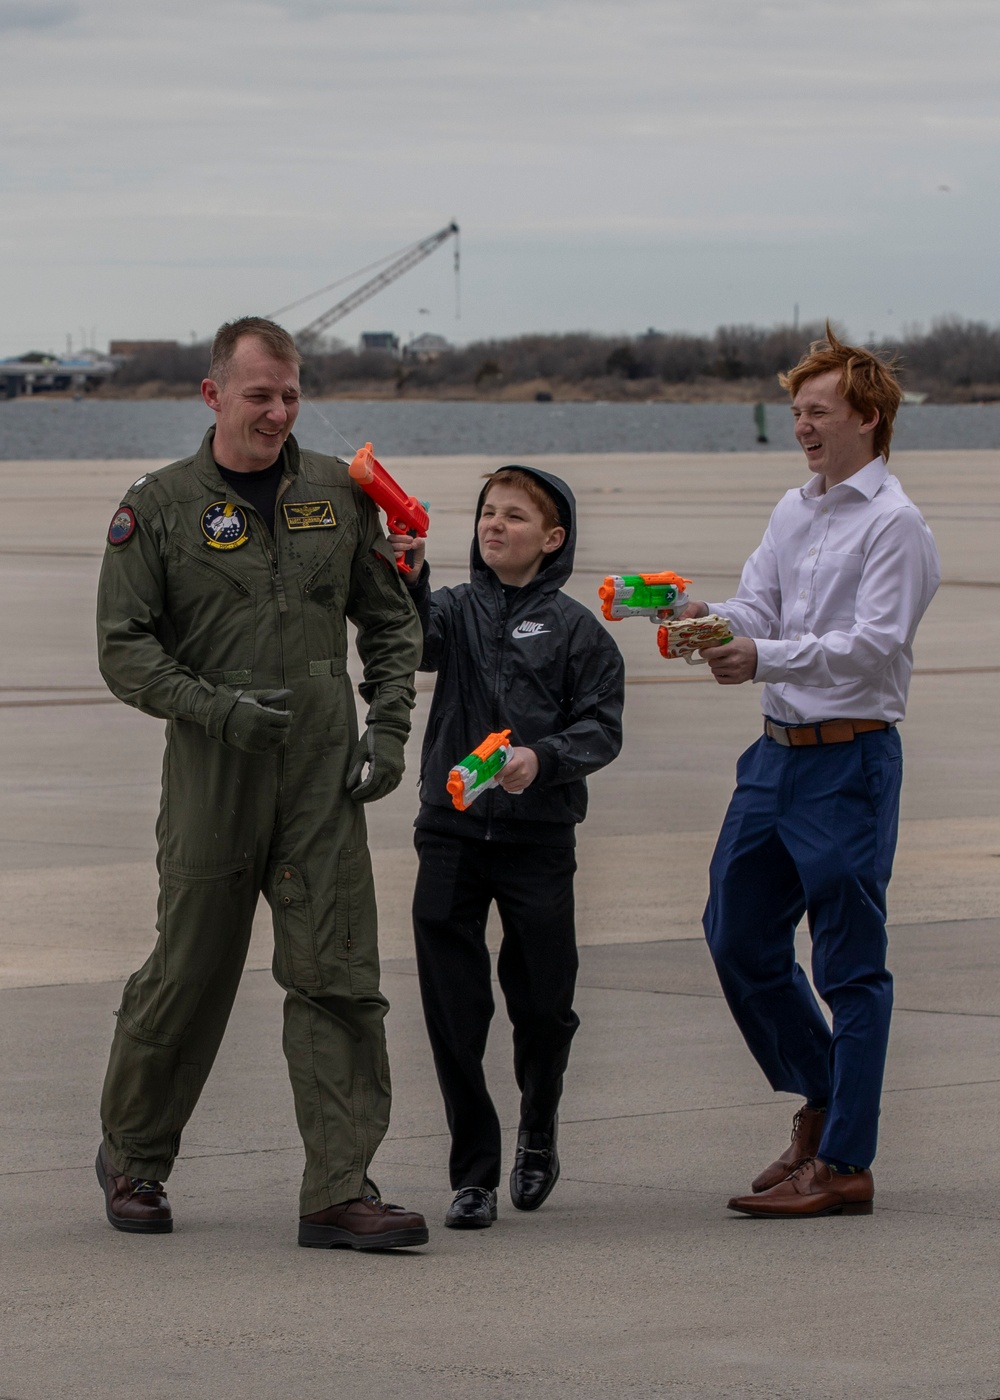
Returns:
<point x="407" y="259"/>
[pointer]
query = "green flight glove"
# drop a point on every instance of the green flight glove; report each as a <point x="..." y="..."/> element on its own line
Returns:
<point x="381" y="747"/>
<point x="255" y="724"/>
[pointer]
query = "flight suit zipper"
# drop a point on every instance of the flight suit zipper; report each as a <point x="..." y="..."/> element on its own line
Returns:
<point x="279" y="588"/>
<point x="272" y="554"/>
<point x="270" y="543"/>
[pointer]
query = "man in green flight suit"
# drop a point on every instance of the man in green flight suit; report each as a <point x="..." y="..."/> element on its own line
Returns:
<point x="224" y="597"/>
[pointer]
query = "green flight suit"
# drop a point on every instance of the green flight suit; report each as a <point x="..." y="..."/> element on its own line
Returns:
<point x="188" y="616"/>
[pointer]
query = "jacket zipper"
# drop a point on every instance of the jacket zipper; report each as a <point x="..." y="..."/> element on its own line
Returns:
<point x="500" y="639"/>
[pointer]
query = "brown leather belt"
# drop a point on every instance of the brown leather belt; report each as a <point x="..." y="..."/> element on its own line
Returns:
<point x="833" y="731"/>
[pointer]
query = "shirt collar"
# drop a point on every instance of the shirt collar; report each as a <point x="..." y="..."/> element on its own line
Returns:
<point x="205" y="465"/>
<point x="867" y="482"/>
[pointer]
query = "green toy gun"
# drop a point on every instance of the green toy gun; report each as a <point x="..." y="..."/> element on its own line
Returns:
<point x="662" y="597"/>
<point x="477" y="773"/>
<point x="656" y="596"/>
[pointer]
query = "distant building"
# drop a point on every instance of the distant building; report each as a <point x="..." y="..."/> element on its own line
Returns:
<point x="128" y="348"/>
<point x="426" y="347"/>
<point x="379" y="340"/>
<point x="38" y="372"/>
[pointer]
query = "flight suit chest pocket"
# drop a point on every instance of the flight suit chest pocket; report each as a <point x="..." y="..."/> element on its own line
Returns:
<point x="212" y="611"/>
<point x="326" y="588"/>
<point x="296" y="963"/>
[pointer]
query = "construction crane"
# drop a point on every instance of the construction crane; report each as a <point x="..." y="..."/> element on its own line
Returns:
<point x="401" y="262"/>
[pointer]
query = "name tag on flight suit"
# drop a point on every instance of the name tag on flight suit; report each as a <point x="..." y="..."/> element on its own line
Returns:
<point x="309" y="515"/>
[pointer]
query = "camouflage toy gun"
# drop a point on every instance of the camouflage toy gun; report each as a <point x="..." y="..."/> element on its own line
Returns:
<point x="477" y="773"/>
<point x="689" y="638"/>
<point x="656" y="596"/>
<point x="405" y="515"/>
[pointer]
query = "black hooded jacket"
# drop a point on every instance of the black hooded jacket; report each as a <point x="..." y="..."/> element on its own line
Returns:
<point x="533" y="661"/>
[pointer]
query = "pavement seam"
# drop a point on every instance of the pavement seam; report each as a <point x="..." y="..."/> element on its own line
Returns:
<point x="423" y="687"/>
<point x="566" y="1123"/>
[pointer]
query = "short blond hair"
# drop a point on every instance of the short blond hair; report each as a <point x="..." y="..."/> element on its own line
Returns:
<point x="867" y="382"/>
<point x="274" y="338"/>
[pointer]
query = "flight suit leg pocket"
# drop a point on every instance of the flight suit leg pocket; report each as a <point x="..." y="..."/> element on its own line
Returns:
<point x="296" y="963"/>
<point x="356" y="919"/>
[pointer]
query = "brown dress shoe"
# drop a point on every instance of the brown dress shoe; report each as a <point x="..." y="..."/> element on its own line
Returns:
<point x="807" y="1129"/>
<point x="132" y="1203"/>
<point x="812" y="1189"/>
<point x="367" y="1223"/>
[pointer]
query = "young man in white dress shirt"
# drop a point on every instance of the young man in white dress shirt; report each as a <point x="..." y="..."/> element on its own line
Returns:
<point x="824" y="617"/>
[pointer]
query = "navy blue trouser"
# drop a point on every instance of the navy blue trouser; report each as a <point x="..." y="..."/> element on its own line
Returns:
<point x="533" y="889"/>
<point x="811" y="831"/>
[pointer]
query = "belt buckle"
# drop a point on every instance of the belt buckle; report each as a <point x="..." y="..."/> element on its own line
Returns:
<point x="779" y="733"/>
<point x="836" y="731"/>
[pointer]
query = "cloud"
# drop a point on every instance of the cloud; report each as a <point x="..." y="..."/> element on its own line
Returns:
<point x="598" y="157"/>
<point x="36" y="14"/>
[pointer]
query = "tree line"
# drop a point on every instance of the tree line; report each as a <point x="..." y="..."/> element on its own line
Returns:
<point x="954" y="359"/>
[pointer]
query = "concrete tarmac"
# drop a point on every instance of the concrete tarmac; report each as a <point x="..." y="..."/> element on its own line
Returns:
<point x="633" y="1279"/>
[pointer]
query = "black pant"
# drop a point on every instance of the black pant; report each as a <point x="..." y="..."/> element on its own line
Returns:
<point x="533" y="889"/>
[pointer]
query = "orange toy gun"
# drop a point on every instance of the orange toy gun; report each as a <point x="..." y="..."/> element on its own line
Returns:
<point x="690" y="637"/>
<point x="405" y="515"/>
<point x="477" y="772"/>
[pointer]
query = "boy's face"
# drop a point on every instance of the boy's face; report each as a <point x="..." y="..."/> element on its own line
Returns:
<point x="833" y="435"/>
<point x="513" y="536"/>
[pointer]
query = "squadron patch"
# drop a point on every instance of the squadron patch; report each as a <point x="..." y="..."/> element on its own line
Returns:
<point x="309" y="515"/>
<point x="224" y="525"/>
<point x="122" y="526"/>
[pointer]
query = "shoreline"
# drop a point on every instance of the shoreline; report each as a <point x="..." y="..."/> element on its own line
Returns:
<point x="701" y="392"/>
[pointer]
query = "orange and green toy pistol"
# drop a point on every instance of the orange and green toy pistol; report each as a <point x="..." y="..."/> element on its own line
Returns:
<point x="405" y="515"/>
<point x="656" y="596"/>
<point x="477" y="773"/>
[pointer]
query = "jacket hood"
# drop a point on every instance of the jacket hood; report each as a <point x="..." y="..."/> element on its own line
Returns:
<point x="556" y="567"/>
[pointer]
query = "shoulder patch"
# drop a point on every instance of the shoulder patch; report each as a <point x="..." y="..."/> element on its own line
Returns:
<point x="138" y="485"/>
<point x="122" y="526"/>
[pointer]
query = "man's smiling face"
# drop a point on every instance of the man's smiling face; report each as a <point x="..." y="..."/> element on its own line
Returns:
<point x="255" y="404"/>
<point x="834" y="436"/>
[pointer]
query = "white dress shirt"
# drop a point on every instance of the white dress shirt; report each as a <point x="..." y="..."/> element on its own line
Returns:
<point x="833" y="596"/>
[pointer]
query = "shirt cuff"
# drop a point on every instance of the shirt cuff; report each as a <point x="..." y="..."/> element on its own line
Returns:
<point x="772" y="660"/>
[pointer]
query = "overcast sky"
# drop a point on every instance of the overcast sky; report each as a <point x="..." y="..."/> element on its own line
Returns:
<point x="613" y="164"/>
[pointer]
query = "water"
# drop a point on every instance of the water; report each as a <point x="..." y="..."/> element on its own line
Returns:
<point x="172" y="428"/>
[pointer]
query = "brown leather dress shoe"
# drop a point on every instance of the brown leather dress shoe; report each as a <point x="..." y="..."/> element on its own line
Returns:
<point x="367" y="1223"/>
<point x="811" y="1190"/>
<point x="807" y="1129"/>
<point x="133" y="1204"/>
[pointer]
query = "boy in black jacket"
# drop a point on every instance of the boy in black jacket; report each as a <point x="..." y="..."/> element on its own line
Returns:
<point x="510" y="651"/>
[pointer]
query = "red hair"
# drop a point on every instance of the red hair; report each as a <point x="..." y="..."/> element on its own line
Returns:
<point x="532" y="488"/>
<point x="868" y="383"/>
